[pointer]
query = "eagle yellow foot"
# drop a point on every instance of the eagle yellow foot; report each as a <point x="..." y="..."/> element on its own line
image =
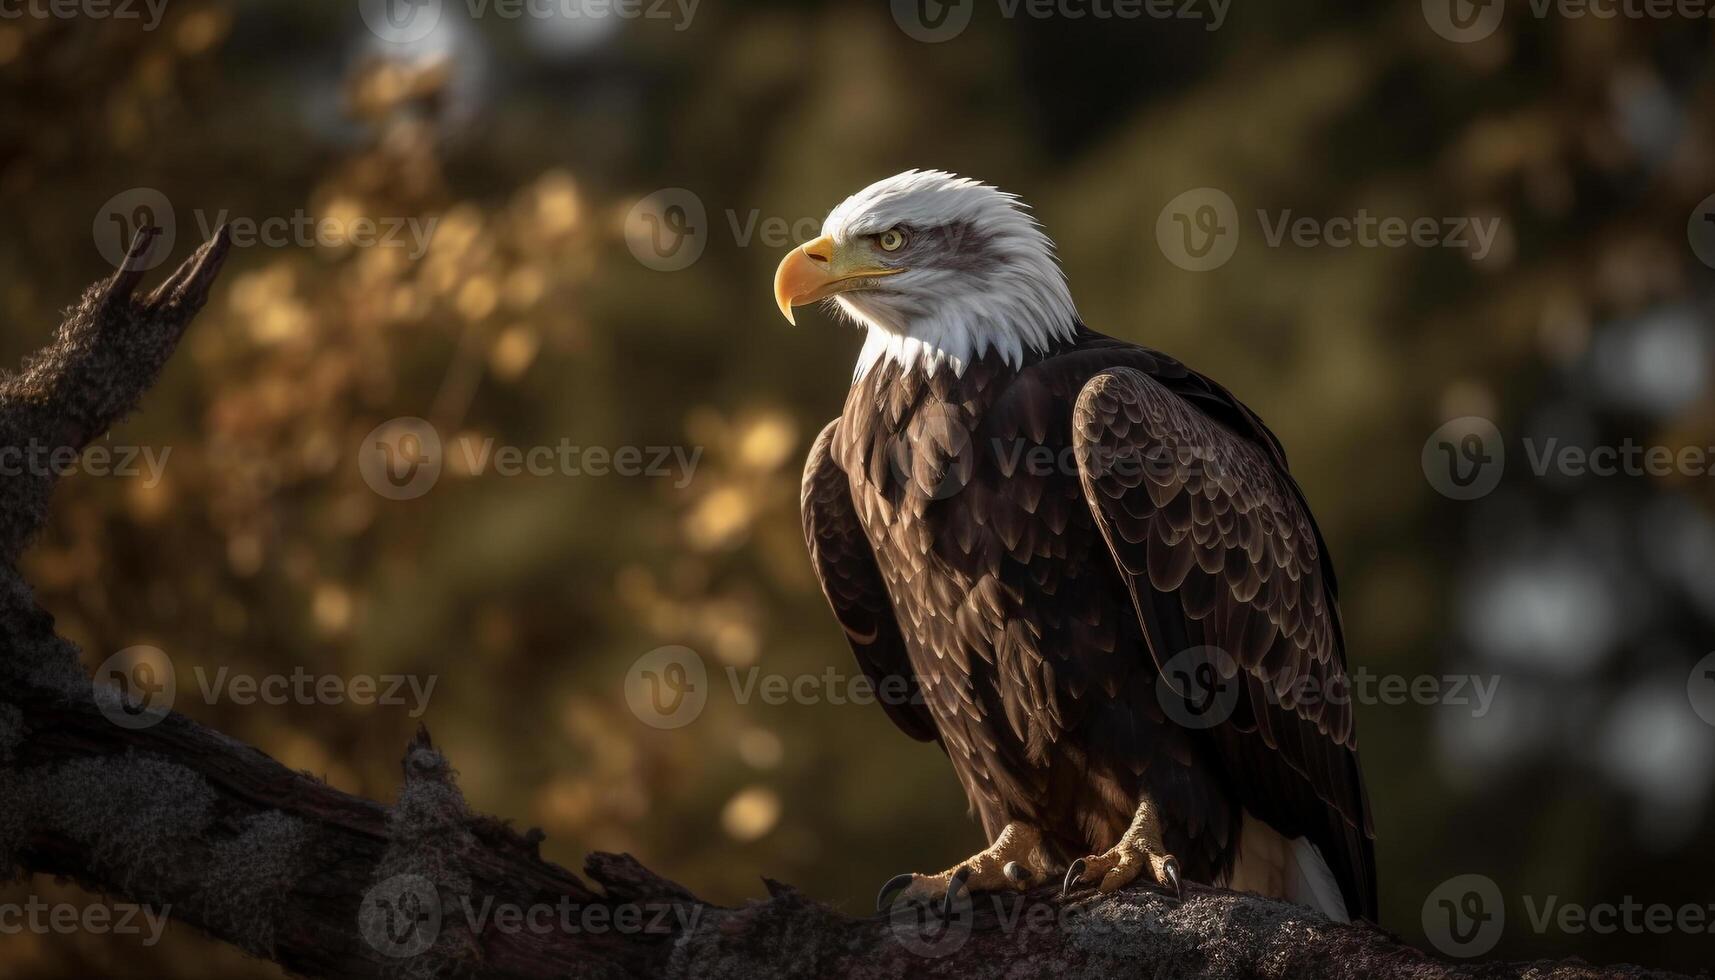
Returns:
<point x="1139" y="849"/>
<point x="1015" y="862"/>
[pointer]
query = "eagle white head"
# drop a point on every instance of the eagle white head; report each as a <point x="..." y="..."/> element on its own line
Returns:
<point x="938" y="268"/>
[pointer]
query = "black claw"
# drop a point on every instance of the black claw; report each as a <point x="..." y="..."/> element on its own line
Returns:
<point x="1072" y="875"/>
<point x="954" y="887"/>
<point x="1170" y="868"/>
<point x="893" y="884"/>
<point x="1015" y="873"/>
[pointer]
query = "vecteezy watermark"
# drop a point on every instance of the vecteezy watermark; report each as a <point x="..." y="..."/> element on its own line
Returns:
<point x="402" y="459"/>
<point x="1467" y="21"/>
<point x="97" y="459"/>
<point x="828" y="687"/>
<point x="402" y="916"/>
<point x="1700" y="689"/>
<point x="668" y="230"/>
<point x="1465" y="916"/>
<point x="668" y="687"/>
<point x="575" y="918"/>
<point x="932" y="932"/>
<point x="1199" y="230"/>
<point x="299" y="686"/>
<point x="147" y="12"/>
<point x="1700" y="230"/>
<point x="44" y="918"/>
<point x="136" y="687"/>
<point x="1465" y="457"/>
<point x="1200" y="688"/>
<point x="410" y="21"/>
<point x="1463" y="21"/>
<point x="939" y="455"/>
<point x="128" y="212"/>
<point x="934" y="21"/>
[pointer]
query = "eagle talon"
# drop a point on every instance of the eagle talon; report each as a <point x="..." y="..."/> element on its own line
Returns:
<point x="1074" y="874"/>
<point x="1139" y="850"/>
<point x="1005" y="865"/>
<point x="954" y="887"/>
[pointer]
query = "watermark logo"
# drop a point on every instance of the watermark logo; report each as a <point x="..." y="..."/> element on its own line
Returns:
<point x="1467" y="21"/>
<point x="670" y="229"/>
<point x="400" y="21"/>
<point x="935" y="454"/>
<point x="1199" y="687"/>
<point x="667" y="230"/>
<point x="400" y="916"/>
<point x="1700" y="689"/>
<point x="667" y="687"/>
<point x="409" y="21"/>
<point x="1700" y="230"/>
<point x="1198" y="230"/>
<point x="1464" y="458"/>
<point x="1464" y="916"/>
<point x="933" y="21"/>
<point x="124" y="216"/>
<point x="400" y="459"/>
<point x="929" y="930"/>
<point x="135" y="687"/>
<point x="1463" y="21"/>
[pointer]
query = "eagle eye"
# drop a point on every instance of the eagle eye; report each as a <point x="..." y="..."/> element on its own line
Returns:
<point x="891" y="240"/>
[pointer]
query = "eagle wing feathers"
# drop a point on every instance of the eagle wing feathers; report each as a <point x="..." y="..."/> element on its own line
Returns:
<point x="845" y="566"/>
<point x="1229" y="576"/>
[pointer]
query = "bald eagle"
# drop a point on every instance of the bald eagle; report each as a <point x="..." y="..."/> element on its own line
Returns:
<point x="1086" y="565"/>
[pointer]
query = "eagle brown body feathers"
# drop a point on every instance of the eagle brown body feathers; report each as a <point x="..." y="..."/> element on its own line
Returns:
<point x="1024" y="550"/>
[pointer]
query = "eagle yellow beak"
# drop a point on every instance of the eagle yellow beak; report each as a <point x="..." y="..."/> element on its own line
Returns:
<point x="819" y="269"/>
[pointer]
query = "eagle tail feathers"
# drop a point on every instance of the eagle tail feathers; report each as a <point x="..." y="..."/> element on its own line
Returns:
<point x="1313" y="884"/>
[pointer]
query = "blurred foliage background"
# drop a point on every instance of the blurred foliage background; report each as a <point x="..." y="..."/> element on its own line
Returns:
<point x="529" y="319"/>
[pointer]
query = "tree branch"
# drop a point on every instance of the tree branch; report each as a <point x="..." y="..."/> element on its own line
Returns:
<point x="223" y="837"/>
<point x="109" y="349"/>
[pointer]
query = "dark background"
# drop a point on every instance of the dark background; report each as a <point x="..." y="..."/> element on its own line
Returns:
<point x="529" y="320"/>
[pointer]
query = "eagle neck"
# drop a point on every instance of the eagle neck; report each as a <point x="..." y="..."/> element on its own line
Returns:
<point x="943" y="343"/>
